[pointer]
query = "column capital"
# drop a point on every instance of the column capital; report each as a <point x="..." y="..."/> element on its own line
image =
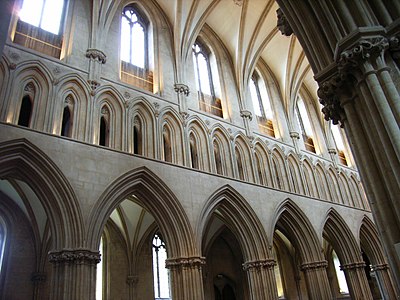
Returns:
<point x="97" y="55"/>
<point x="75" y="257"/>
<point x="185" y="262"/>
<point x="360" y="52"/>
<point x="259" y="264"/>
<point x="323" y="264"/>
<point x="181" y="88"/>
<point x="354" y="265"/>
<point x="246" y="114"/>
<point x="294" y="135"/>
<point x="283" y="24"/>
<point x="329" y="92"/>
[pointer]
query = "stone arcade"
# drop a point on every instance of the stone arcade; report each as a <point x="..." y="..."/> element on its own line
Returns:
<point x="176" y="149"/>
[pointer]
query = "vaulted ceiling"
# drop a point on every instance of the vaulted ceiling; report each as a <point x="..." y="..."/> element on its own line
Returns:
<point x="248" y="30"/>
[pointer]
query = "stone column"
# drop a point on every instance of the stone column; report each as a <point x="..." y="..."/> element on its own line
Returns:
<point x="384" y="281"/>
<point x="261" y="279"/>
<point x="38" y="278"/>
<point x="357" y="280"/>
<point x="186" y="277"/>
<point x="359" y="93"/>
<point x="182" y="91"/>
<point x="97" y="58"/>
<point x="295" y="139"/>
<point x="74" y="274"/>
<point x="247" y="117"/>
<point x="317" y="280"/>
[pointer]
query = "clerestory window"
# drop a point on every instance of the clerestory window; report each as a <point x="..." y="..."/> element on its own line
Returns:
<point x="39" y="26"/>
<point x="160" y="272"/>
<point x="305" y="125"/>
<point x="337" y="136"/>
<point x="134" y="49"/>
<point x="208" y="101"/>
<point x="262" y="106"/>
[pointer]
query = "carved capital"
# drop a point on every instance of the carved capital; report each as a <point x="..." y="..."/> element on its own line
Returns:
<point x="181" y="88"/>
<point x="352" y="266"/>
<point x="259" y="264"/>
<point x="246" y="114"/>
<point x="75" y="257"/>
<point x="96" y="54"/>
<point x="323" y="264"/>
<point x="332" y="151"/>
<point x="185" y="262"/>
<point x="380" y="267"/>
<point x="394" y="46"/>
<point x="283" y="24"/>
<point x="93" y="85"/>
<point x="361" y="51"/>
<point x="294" y="135"/>
<point x="329" y="93"/>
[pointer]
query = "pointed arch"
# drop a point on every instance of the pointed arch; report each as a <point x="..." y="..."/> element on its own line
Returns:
<point x="243" y="158"/>
<point x="77" y="88"/>
<point x="241" y="220"/>
<point x="36" y="74"/>
<point x="198" y="129"/>
<point x="278" y="169"/>
<point x="292" y="221"/>
<point x="345" y="190"/>
<point x="339" y="235"/>
<point x="322" y="183"/>
<point x="262" y="164"/>
<point x="22" y="160"/>
<point x="333" y="185"/>
<point x="172" y="132"/>
<point x="140" y="109"/>
<point x="110" y="99"/>
<point x="294" y="175"/>
<point x="370" y="242"/>
<point x="222" y="150"/>
<point x="154" y="196"/>
<point x="309" y="178"/>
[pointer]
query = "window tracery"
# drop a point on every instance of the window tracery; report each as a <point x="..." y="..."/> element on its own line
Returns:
<point x="135" y="48"/>
<point x="304" y="122"/>
<point x="208" y="101"/>
<point x="160" y="272"/>
<point x="262" y="106"/>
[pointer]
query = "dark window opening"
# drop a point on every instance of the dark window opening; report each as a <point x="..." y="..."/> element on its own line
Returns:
<point x="66" y="123"/>
<point x="25" y="112"/>
<point x="103" y="140"/>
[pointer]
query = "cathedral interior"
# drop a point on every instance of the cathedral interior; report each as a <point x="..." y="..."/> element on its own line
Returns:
<point x="199" y="149"/>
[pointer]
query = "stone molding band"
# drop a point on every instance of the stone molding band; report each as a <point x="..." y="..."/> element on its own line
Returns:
<point x="380" y="267"/>
<point x="185" y="262"/>
<point x="323" y="264"/>
<point x="355" y="265"/>
<point x="181" y="88"/>
<point x="75" y="257"/>
<point x="259" y="264"/>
